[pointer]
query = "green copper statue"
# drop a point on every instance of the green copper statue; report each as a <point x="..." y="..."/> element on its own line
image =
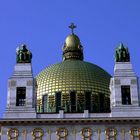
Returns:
<point x="23" y="55"/>
<point x="122" y="54"/>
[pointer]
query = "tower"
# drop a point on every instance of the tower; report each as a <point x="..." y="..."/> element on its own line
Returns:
<point x="20" y="101"/>
<point x="124" y="86"/>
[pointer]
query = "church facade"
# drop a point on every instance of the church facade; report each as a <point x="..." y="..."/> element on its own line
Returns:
<point x="73" y="99"/>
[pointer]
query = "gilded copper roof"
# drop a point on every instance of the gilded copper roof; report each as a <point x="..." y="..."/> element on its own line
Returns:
<point x="72" y="41"/>
<point x="72" y="75"/>
<point x="73" y="85"/>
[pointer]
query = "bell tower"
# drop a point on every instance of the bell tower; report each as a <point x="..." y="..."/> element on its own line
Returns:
<point x="124" y="86"/>
<point x="21" y="97"/>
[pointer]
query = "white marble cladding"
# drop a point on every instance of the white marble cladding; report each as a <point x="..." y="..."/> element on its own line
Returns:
<point x="22" y="70"/>
<point x="124" y="76"/>
<point x="72" y="132"/>
<point x="115" y="87"/>
<point x="85" y="114"/>
<point x="22" y="77"/>
<point x="124" y="69"/>
<point x="126" y="111"/>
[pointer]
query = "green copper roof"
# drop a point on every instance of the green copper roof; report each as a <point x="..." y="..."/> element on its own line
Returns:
<point x="122" y="54"/>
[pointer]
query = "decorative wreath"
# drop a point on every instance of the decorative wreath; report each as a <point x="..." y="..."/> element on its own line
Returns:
<point x="37" y="130"/>
<point x="86" y="132"/>
<point x="111" y="132"/>
<point x="11" y="131"/>
<point x="135" y="132"/>
<point x="64" y="130"/>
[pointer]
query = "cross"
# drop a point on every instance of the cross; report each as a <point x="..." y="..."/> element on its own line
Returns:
<point x="72" y="26"/>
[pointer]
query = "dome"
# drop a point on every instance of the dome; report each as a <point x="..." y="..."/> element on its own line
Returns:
<point x="73" y="85"/>
<point x="77" y="78"/>
<point x="72" y="41"/>
<point x="72" y="48"/>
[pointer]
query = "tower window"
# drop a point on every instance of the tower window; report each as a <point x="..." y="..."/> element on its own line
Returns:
<point x="58" y="101"/>
<point x="73" y="101"/>
<point x="126" y="97"/>
<point x="88" y="101"/>
<point x="21" y="96"/>
<point x="45" y="102"/>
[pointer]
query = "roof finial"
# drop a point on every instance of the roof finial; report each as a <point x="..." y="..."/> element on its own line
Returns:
<point x="72" y="26"/>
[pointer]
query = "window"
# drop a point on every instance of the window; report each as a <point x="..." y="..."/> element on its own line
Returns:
<point x="101" y="102"/>
<point x="126" y="98"/>
<point x="95" y="103"/>
<point x="21" y="96"/>
<point x="58" y="101"/>
<point x="88" y="101"/>
<point x="73" y="101"/>
<point x="45" y="101"/>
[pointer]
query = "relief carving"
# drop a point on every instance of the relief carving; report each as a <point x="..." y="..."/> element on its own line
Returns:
<point x="12" y="83"/>
<point x="62" y="133"/>
<point x="117" y="82"/>
<point x="133" y="81"/>
<point x="29" y="83"/>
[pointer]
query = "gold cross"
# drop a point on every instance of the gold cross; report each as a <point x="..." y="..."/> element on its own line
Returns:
<point x="72" y="26"/>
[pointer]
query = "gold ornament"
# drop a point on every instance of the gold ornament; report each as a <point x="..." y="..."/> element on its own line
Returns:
<point x="74" y="132"/>
<point x="99" y="132"/>
<point x="13" y="133"/>
<point x="86" y="133"/>
<point x="135" y="133"/>
<point x="37" y="133"/>
<point x="25" y="134"/>
<point x="49" y="134"/>
<point x="123" y="134"/>
<point x="111" y="133"/>
<point x="62" y="133"/>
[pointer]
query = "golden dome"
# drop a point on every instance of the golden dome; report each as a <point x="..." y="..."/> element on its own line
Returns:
<point x="72" y="48"/>
<point x="72" y="41"/>
<point x="73" y="85"/>
<point x="73" y="75"/>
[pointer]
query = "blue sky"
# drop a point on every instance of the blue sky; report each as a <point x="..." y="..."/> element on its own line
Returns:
<point x="43" y="26"/>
